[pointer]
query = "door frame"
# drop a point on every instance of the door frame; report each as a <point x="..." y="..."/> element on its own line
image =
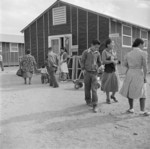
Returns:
<point x="58" y="37"/>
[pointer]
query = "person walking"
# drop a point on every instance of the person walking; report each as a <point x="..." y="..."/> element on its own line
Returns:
<point x="1" y="62"/>
<point x="110" y="80"/>
<point x="28" y="64"/>
<point x="90" y="62"/>
<point x="52" y="67"/>
<point x="63" y="64"/>
<point x="133" y="86"/>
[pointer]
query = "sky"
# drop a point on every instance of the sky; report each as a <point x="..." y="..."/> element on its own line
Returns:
<point x="17" y="14"/>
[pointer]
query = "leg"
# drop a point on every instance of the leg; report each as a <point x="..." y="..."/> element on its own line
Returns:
<point x="64" y="76"/>
<point x="131" y="110"/>
<point x="50" y="78"/>
<point x="42" y="79"/>
<point x="94" y="89"/>
<point x="142" y="104"/>
<point x="107" y="98"/>
<point x="53" y="78"/>
<point x="25" y="80"/>
<point x="113" y="97"/>
<point x="87" y="87"/>
<point x="30" y="80"/>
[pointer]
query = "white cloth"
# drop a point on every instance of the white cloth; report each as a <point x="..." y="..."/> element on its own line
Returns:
<point x="1" y="58"/>
<point x="63" y="65"/>
<point x="44" y="70"/>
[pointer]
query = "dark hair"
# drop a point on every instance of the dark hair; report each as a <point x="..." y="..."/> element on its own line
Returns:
<point x="27" y="51"/>
<point x="95" y="42"/>
<point x="64" y="49"/>
<point x="50" y="49"/>
<point x="108" y="41"/>
<point x="43" y="66"/>
<point x="137" y="42"/>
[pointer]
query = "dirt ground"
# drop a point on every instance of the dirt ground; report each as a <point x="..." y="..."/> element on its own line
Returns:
<point x="37" y="116"/>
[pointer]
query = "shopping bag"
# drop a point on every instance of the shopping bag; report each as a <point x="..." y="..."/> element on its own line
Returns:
<point x="19" y="72"/>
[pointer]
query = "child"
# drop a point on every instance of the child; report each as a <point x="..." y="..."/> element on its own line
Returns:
<point x="44" y="75"/>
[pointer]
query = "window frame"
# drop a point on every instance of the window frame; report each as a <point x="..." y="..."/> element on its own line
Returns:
<point x="11" y="48"/>
<point x="124" y="35"/>
<point x="144" y="38"/>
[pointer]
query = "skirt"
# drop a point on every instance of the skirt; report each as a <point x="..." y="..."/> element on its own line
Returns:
<point x="133" y="85"/>
<point x="27" y="74"/>
<point x="64" y="68"/>
<point x="110" y="82"/>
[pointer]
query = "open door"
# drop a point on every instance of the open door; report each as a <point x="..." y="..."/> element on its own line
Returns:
<point x="55" y="44"/>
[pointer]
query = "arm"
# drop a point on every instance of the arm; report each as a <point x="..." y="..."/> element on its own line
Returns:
<point x="83" y="59"/>
<point x="65" y="57"/>
<point x="126" y="62"/>
<point x="99" y="60"/>
<point x="144" y="63"/>
<point x="104" y="58"/>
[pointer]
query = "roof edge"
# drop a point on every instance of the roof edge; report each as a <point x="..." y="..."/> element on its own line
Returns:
<point x="107" y="16"/>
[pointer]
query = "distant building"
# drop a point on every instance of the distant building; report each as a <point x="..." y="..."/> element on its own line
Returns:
<point x="66" y="25"/>
<point x="11" y="48"/>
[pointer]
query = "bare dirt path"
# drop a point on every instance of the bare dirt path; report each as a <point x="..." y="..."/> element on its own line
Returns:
<point x="40" y="117"/>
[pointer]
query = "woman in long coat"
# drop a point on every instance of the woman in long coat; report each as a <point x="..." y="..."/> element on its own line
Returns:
<point x="133" y="85"/>
<point x="28" y="64"/>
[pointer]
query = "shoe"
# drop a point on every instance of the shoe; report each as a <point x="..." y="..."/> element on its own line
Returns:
<point x="114" y="98"/>
<point x="130" y="111"/>
<point x="108" y="101"/>
<point x="95" y="109"/>
<point x="144" y="113"/>
<point x="89" y="104"/>
<point x="55" y="86"/>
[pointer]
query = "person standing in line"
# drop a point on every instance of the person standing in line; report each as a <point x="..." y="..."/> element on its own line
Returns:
<point x="134" y="84"/>
<point x="28" y="64"/>
<point x="63" y="64"/>
<point x="1" y="62"/>
<point x="53" y="62"/>
<point x="90" y="63"/>
<point x="110" y="79"/>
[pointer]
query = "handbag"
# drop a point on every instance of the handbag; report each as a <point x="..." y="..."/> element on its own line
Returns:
<point x="19" y="72"/>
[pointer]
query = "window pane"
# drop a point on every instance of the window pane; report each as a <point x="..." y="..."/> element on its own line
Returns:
<point x="126" y="41"/>
<point x="145" y="44"/>
<point x="126" y="30"/>
<point x="144" y="34"/>
<point x="14" y="47"/>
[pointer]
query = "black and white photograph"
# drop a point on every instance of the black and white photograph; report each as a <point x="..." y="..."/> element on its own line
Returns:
<point x="75" y="74"/>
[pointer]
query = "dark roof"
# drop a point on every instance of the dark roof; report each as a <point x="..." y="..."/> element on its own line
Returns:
<point x="89" y="10"/>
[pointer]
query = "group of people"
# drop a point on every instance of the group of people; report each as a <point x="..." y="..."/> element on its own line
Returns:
<point x="49" y="68"/>
<point x="134" y="84"/>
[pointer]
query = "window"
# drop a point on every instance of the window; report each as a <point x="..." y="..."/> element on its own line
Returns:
<point x="144" y="36"/>
<point x="13" y="47"/>
<point x="59" y="15"/>
<point x="0" y="46"/>
<point x="126" y="36"/>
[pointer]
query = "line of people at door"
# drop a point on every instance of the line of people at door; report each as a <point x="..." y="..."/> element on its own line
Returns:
<point x="134" y="84"/>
